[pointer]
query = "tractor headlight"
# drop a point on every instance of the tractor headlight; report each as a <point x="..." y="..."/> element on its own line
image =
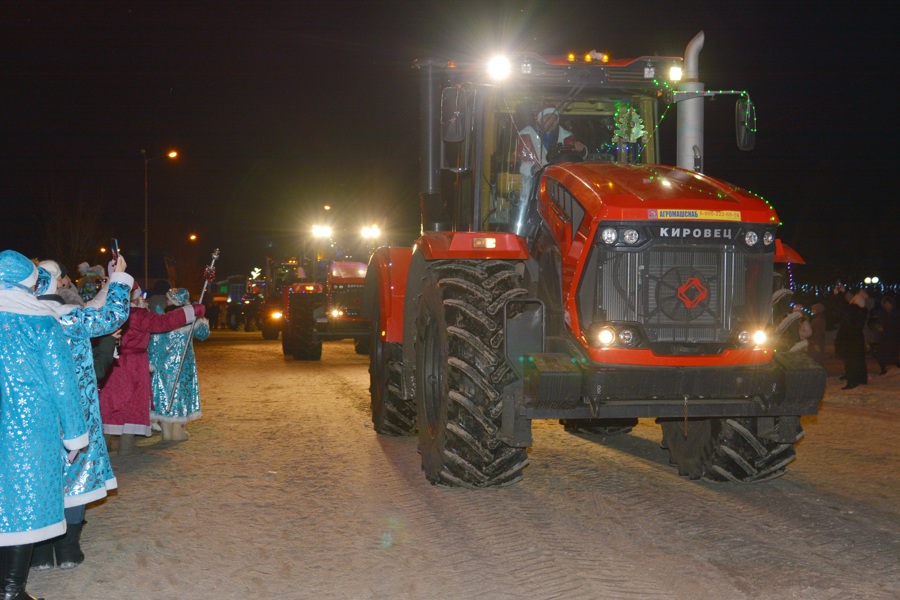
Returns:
<point x="277" y="314"/>
<point x="499" y="68"/>
<point x="606" y="336"/>
<point x="746" y="337"/>
<point x="631" y="236"/>
<point x="768" y="238"/>
<point x="609" y="235"/>
<point x="627" y="337"/>
<point x="750" y="238"/>
<point x="336" y="312"/>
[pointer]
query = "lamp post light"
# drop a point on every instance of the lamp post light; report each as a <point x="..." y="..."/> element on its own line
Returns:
<point x="172" y="154"/>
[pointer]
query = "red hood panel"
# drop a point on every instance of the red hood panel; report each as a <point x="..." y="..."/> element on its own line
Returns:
<point x="650" y="192"/>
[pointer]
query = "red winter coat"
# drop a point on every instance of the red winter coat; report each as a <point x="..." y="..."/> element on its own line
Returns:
<point x="125" y="396"/>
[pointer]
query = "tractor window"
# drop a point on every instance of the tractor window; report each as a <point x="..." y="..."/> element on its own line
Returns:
<point x="567" y="203"/>
<point x="524" y="133"/>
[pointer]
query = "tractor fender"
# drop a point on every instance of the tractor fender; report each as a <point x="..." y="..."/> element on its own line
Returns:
<point x="477" y="245"/>
<point x="386" y="278"/>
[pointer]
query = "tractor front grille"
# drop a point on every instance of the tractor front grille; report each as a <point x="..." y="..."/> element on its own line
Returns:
<point x="679" y="293"/>
<point x="347" y="297"/>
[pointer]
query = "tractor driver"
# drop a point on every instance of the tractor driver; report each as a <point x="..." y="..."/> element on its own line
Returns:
<point x="536" y="142"/>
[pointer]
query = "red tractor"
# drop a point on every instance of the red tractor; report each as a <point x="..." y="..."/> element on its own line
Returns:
<point x="324" y="301"/>
<point x="562" y="273"/>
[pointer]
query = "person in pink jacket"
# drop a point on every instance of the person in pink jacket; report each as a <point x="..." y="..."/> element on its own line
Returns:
<point x="126" y="394"/>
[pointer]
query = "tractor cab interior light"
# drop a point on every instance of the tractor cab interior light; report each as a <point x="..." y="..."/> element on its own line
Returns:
<point x="484" y="243"/>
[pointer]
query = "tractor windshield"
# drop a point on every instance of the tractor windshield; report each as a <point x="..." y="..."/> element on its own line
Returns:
<point x="525" y="132"/>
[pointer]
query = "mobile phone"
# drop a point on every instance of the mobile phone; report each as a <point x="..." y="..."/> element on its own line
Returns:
<point x="114" y="249"/>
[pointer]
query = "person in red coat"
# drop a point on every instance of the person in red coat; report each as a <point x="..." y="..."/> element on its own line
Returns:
<point x="126" y="394"/>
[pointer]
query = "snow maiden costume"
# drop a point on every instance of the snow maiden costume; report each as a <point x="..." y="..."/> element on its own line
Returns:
<point x="165" y="351"/>
<point x="40" y="415"/>
<point x="90" y="475"/>
<point x="125" y="395"/>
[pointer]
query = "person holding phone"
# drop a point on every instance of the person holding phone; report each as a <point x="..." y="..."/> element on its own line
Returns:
<point x="42" y="421"/>
<point x="89" y="476"/>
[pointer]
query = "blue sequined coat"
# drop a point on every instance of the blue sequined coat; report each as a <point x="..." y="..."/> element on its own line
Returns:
<point x="90" y="475"/>
<point x="165" y="352"/>
<point x="39" y="415"/>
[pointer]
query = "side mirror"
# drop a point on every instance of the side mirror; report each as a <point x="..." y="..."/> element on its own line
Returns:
<point x="745" y="123"/>
<point x="454" y="114"/>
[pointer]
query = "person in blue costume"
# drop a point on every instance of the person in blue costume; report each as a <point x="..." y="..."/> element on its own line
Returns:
<point x="166" y="350"/>
<point x="90" y="475"/>
<point x="40" y="420"/>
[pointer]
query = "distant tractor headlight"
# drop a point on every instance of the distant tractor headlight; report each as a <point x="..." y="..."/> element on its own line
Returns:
<point x="609" y="235"/>
<point x="276" y="315"/>
<point x="321" y="231"/>
<point x="336" y="312"/>
<point x="631" y="236"/>
<point x="760" y="337"/>
<point x="750" y="238"/>
<point x="606" y="336"/>
<point x="370" y="232"/>
<point x="768" y="238"/>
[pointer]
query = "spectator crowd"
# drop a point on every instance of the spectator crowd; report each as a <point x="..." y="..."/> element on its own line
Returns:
<point x="85" y="366"/>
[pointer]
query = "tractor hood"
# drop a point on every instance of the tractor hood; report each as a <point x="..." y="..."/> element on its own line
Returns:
<point x="651" y="192"/>
<point x="346" y="270"/>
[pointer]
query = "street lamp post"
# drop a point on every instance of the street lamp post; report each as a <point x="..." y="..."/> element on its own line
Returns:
<point x="147" y="159"/>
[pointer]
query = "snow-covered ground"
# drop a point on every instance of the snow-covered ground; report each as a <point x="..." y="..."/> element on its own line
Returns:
<point x="285" y="491"/>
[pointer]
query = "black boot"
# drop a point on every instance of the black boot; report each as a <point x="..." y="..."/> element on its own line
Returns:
<point x="42" y="556"/>
<point x="68" y="547"/>
<point x="15" y="561"/>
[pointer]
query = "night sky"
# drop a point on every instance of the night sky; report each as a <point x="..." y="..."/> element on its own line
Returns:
<point x="280" y="107"/>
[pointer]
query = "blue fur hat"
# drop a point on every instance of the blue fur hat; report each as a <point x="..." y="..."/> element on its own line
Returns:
<point x="15" y="268"/>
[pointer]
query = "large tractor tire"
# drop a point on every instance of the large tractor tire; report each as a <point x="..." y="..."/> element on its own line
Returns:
<point x="391" y="414"/>
<point x="233" y="320"/>
<point x="726" y="449"/>
<point x="306" y="347"/>
<point x="361" y="345"/>
<point x="250" y="324"/>
<point x="461" y="373"/>
<point x="288" y="343"/>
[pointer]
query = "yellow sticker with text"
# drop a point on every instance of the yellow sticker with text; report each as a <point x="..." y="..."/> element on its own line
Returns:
<point x="703" y="215"/>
